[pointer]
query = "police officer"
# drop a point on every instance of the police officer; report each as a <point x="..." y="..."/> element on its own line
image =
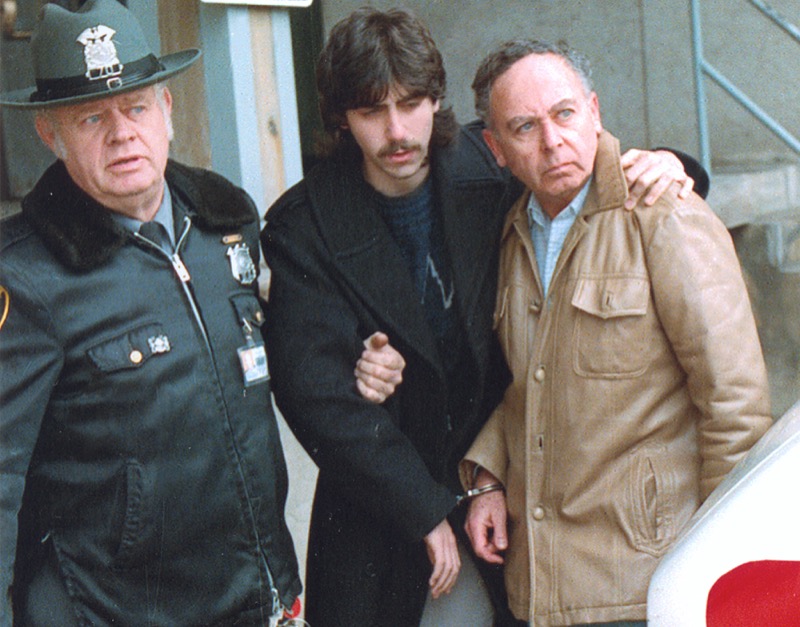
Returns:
<point x="142" y="479"/>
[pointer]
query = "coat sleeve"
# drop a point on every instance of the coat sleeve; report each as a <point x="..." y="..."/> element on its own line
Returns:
<point x="314" y="333"/>
<point x="692" y="167"/>
<point x="703" y="305"/>
<point x="488" y="451"/>
<point x="30" y="362"/>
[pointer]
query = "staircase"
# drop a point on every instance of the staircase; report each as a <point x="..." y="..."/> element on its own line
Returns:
<point x="766" y="195"/>
<point x="761" y="207"/>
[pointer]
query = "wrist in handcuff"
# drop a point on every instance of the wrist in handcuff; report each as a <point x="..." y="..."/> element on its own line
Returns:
<point x="485" y="489"/>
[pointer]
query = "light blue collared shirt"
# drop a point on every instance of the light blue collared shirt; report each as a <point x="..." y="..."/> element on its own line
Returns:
<point x="548" y="234"/>
<point x="163" y="216"/>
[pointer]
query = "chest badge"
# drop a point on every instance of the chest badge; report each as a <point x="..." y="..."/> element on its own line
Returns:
<point x="159" y="344"/>
<point x="242" y="266"/>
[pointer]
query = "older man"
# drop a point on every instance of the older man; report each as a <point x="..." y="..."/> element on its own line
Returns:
<point x="638" y="379"/>
<point x="142" y="480"/>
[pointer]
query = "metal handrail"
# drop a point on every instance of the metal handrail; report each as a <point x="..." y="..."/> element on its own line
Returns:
<point x="703" y="67"/>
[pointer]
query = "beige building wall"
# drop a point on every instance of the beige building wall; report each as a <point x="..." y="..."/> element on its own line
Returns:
<point x="641" y="51"/>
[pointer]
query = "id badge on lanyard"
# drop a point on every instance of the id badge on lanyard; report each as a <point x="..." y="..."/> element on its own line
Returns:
<point x="253" y="358"/>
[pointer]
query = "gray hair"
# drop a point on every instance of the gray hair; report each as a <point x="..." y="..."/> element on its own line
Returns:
<point x="162" y="104"/>
<point x="498" y="61"/>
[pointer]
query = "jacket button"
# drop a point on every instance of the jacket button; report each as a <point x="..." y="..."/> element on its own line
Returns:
<point x="538" y="513"/>
<point x="539" y="374"/>
<point x="136" y="356"/>
<point x="535" y="307"/>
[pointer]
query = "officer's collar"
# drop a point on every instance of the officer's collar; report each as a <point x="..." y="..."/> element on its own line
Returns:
<point x="82" y="233"/>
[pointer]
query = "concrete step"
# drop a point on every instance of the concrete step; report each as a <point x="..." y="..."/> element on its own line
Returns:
<point x="767" y="195"/>
<point x="783" y="239"/>
<point x="744" y="193"/>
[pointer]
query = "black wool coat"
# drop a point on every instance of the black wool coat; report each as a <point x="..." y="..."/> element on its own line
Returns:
<point x="387" y="473"/>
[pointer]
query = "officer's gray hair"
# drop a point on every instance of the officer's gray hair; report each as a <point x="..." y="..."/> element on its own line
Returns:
<point x="162" y="104"/>
<point x="497" y="62"/>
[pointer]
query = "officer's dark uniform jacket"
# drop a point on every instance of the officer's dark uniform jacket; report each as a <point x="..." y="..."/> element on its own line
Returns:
<point x="154" y="481"/>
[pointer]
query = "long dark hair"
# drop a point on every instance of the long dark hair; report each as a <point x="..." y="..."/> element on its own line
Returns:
<point x="366" y="53"/>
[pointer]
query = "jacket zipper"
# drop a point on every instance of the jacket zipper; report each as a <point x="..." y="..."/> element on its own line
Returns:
<point x="185" y="278"/>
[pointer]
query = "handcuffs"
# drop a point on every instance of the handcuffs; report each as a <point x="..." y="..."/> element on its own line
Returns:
<point x="489" y="487"/>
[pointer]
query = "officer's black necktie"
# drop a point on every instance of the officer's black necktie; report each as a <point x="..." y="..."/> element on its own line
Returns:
<point x="156" y="233"/>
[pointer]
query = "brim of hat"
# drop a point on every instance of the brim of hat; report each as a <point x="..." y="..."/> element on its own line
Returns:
<point x="172" y="63"/>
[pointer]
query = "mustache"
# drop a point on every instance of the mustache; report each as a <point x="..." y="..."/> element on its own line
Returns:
<point x="400" y="146"/>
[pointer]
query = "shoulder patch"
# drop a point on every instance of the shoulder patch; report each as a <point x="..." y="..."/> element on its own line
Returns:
<point x="12" y="229"/>
<point x="5" y="305"/>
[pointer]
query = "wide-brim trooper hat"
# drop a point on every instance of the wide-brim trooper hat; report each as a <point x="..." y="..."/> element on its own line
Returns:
<point x="95" y="52"/>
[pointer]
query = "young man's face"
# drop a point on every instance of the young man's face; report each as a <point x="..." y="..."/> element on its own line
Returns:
<point x="545" y="128"/>
<point x="115" y="149"/>
<point x="394" y="136"/>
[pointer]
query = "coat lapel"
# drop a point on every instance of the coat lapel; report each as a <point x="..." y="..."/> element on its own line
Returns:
<point x="472" y="206"/>
<point x="368" y="257"/>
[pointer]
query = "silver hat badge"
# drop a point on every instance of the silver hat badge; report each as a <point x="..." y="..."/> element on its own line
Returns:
<point x="100" y="53"/>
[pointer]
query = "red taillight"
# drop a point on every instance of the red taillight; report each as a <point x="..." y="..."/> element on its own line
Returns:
<point x="756" y="593"/>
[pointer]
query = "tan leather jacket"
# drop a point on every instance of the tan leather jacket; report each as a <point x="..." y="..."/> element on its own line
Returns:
<point x="638" y="384"/>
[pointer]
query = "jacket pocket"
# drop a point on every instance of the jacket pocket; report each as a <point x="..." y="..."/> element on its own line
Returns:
<point x="247" y="309"/>
<point x="137" y="536"/>
<point x="131" y="349"/>
<point x="651" y="500"/>
<point x="610" y="338"/>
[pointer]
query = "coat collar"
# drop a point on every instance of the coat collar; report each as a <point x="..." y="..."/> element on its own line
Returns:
<point x="473" y="194"/>
<point x="467" y="188"/>
<point x="82" y="234"/>
<point x="607" y="191"/>
<point x="366" y="253"/>
<point x="609" y="188"/>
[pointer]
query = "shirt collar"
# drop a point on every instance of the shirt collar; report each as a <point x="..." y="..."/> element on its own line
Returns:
<point x="163" y="216"/>
<point x="536" y="214"/>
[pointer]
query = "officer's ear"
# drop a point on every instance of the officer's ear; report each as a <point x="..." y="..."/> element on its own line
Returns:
<point x="46" y="129"/>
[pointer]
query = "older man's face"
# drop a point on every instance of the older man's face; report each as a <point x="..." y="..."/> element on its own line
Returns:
<point x="545" y="128"/>
<point x="115" y="149"/>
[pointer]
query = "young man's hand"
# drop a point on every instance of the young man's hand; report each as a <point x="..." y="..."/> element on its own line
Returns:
<point x="650" y="173"/>
<point x="442" y="549"/>
<point x="380" y="369"/>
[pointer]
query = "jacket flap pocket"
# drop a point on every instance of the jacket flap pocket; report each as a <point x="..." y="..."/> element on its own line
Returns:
<point x="612" y="296"/>
<point x="247" y="308"/>
<point x="131" y="349"/>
